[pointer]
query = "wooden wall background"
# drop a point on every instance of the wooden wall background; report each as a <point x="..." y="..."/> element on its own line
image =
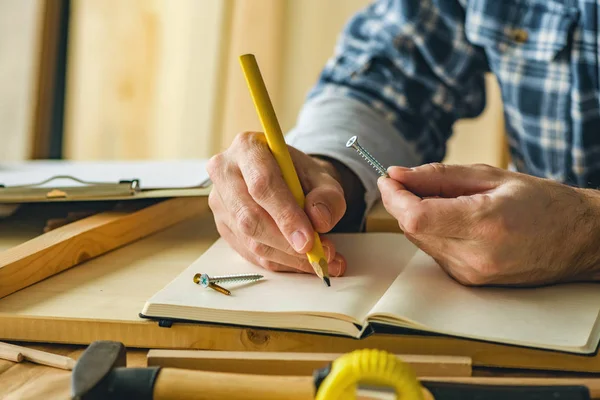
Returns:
<point x="160" y="78"/>
<point x="20" y="26"/>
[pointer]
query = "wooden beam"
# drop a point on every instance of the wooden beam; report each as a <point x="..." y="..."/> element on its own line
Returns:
<point x="72" y="244"/>
<point x="285" y="363"/>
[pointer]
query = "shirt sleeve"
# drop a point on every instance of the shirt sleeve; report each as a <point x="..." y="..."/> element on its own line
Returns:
<point x="401" y="74"/>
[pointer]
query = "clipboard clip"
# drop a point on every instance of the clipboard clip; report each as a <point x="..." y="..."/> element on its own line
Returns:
<point x="41" y="191"/>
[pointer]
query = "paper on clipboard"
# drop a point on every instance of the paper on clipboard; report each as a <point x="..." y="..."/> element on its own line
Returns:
<point x="47" y="180"/>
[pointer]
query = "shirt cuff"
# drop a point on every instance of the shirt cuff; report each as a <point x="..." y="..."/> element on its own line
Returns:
<point x="328" y="120"/>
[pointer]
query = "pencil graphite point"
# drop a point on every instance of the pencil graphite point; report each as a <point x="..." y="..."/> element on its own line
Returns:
<point x="323" y="267"/>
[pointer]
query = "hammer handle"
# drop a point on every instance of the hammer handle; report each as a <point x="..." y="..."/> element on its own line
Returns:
<point x="173" y="383"/>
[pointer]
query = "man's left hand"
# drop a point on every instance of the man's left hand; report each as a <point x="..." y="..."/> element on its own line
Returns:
<point x="488" y="226"/>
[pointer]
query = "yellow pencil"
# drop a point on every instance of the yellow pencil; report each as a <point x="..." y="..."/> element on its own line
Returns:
<point x="278" y="147"/>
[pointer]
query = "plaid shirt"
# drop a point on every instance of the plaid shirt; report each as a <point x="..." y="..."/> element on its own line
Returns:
<point x="421" y="64"/>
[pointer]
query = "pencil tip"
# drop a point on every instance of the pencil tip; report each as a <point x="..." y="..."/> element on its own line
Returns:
<point x="327" y="282"/>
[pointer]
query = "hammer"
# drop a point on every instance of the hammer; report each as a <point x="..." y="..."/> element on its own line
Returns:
<point x="100" y="373"/>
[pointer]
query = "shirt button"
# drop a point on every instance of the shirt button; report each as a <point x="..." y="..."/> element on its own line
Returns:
<point x="520" y="35"/>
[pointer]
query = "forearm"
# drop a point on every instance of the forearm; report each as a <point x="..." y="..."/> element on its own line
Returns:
<point x="322" y="130"/>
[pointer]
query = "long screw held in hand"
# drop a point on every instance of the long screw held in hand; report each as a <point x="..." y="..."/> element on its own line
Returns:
<point x="353" y="142"/>
<point x="212" y="282"/>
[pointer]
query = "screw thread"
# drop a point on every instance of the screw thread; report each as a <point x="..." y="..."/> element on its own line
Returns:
<point x="371" y="160"/>
<point x="235" y="278"/>
<point x="353" y="142"/>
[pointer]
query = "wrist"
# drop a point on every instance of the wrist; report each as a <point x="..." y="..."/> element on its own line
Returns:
<point x="354" y="193"/>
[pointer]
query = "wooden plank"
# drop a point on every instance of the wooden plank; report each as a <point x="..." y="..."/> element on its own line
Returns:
<point x="72" y="244"/>
<point x="146" y="334"/>
<point x="379" y="220"/>
<point x="102" y="299"/>
<point x="289" y="363"/>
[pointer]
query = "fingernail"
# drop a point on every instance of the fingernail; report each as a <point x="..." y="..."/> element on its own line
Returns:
<point x="327" y="253"/>
<point x="335" y="267"/>
<point x="323" y="212"/>
<point x="298" y="240"/>
<point x="399" y="168"/>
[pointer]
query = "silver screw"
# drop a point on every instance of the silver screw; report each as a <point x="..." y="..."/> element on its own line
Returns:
<point x="205" y="280"/>
<point x="353" y="142"/>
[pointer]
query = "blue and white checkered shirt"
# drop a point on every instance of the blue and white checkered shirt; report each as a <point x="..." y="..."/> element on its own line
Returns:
<point x="419" y="65"/>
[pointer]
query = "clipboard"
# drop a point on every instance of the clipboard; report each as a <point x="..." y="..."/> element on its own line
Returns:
<point x="87" y="190"/>
<point x="57" y="214"/>
<point x="64" y="181"/>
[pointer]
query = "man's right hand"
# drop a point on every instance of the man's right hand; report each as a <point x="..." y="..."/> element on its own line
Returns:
<point x="256" y="213"/>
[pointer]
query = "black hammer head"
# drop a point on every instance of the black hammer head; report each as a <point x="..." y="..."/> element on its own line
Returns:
<point x="96" y="362"/>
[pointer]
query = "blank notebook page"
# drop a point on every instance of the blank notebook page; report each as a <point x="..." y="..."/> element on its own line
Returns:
<point x="561" y="316"/>
<point x="374" y="262"/>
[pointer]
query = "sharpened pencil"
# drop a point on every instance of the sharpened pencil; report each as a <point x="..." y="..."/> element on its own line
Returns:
<point x="277" y="145"/>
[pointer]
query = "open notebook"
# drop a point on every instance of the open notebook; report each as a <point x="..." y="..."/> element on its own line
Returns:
<point x="388" y="282"/>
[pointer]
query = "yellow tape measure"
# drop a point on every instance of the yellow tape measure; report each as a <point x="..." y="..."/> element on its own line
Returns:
<point x="370" y="367"/>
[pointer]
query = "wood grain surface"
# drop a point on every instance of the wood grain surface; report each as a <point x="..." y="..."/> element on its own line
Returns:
<point x="62" y="248"/>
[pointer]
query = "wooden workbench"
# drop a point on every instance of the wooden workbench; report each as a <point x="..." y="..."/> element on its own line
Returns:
<point x="26" y="380"/>
<point x="16" y="380"/>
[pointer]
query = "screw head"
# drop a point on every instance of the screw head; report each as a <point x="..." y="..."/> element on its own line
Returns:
<point x="351" y="141"/>
<point x="202" y="279"/>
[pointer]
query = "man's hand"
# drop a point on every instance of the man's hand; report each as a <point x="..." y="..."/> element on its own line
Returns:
<point x="488" y="226"/>
<point x="256" y="213"/>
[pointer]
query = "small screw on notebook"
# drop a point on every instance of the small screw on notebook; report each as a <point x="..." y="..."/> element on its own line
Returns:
<point x="353" y="142"/>
<point x="212" y="282"/>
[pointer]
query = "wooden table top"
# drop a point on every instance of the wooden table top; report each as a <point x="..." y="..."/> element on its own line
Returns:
<point x="27" y="380"/>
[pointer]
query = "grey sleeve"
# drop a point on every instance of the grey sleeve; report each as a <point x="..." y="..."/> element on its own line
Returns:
<point x="327" y="121"/>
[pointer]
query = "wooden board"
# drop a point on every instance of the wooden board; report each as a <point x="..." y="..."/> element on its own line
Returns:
<point x="102" y="298"/>
<point x="72" y="244"/>
<point x="379" y="220"/>
<point x="295" y="364"/>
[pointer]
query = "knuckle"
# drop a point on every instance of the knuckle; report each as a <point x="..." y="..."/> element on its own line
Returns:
<point x="248" y="222"/>
<point x="471" y="278"/>
<point x="223" y="232"/>
<point x="244" y="139"/>
<point x="482" y="166"/>
<point x="215" y="164"/>
<point x="260" y="249"/>
<point x="269" y="265"/>
<point x="287" y="218"/>
<point x="213" y="201"/>
<point x="301" y="265"/>
<point x="416" y="222"/>
<point x="437" y="167"/>
<point x="483" y="272"/>
<point x="259" y="186"/>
